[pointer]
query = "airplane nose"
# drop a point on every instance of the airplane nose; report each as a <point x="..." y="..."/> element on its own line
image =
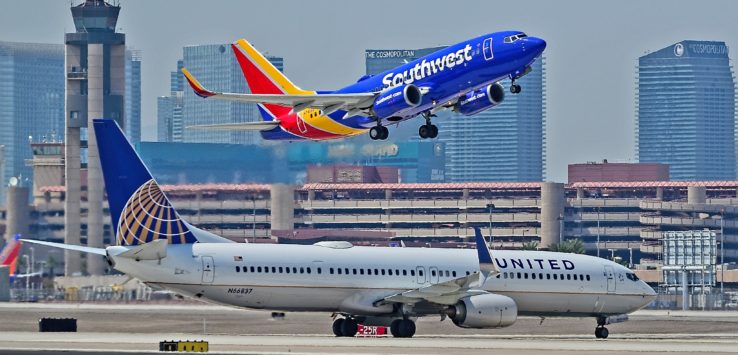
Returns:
<point x="537" y="44"/>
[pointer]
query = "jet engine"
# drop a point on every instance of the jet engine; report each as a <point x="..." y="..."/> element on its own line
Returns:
<point x="484" y="311"/>
<point x="396" y="99"/>
<point x="479" y="100"/>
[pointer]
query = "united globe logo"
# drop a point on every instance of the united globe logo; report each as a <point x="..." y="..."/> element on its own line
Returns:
<point x="678" y="49"/>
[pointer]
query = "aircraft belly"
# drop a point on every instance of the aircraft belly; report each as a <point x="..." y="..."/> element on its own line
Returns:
<point x="573" y="304"/>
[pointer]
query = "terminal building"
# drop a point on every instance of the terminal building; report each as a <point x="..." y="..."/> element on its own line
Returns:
<point x="686" y="115"/>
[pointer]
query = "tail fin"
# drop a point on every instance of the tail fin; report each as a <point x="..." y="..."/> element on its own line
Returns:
<point x="264" y="78"/>
<point x="140" y="211"/>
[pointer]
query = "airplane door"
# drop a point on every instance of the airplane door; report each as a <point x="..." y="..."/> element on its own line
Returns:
<point x="610" y="275"/>
<point x="420" y="273"/>
<point x="487" y="49"/>
<point x="208" y="269"/>
<point x="433" y="277"/>
<point x="301" y="125"/>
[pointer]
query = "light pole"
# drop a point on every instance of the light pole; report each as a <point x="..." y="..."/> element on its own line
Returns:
<point x="598" y="232"/>
<point x="722" y="254"/>
<point x="490" y="206"/>
<point x="561" y="228"/>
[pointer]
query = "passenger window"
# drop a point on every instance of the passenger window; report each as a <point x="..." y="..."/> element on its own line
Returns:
<point x="376" y="272"/>
<point x="320" y="271"/>
<point x="258" y="269"/>
<point x="568" y="276"/>
<point x="266" y="269"/>
<point x="287" y="269"/>
<point x="238" y="269"/>
<point x="294" y="269"/>
<point x="339" y="271"/>
<point x="302" y="270"/>
<point x="467" y="273"/>
<point x="520" y="276"/>
<point x="368" y="271"/>
<point x="274" y="270"/>
<point x="354" y="271"/>
<point x="587" y="277"/>
<point x="346" y="271"/>
<point x="540" y="275"/>
<point x="532" y="276"/>
<point x="281" y="270"/>
<point x="548" y="276"/>
<point x="412" y="272"/>
<point x="581" y="277"/>
<point x="433" y="273"/>
<point x="252" y="269"/>
<point x="308" y="270"/>
<point x="404" y="272"/>
<point x="361" y="271"/>
<point x="397" y="272"/>
<point x="453" y="273"/>
<point x="330" y="271"/>
<point x="525" y="275"/>
<point x="555" y="277"/>
<point x="389" y="272"/>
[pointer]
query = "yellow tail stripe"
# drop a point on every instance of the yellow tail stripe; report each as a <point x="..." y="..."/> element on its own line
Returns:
<point x="269" y="70"/>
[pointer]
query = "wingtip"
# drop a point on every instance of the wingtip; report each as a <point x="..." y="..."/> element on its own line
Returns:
<point x="195" y="85"/>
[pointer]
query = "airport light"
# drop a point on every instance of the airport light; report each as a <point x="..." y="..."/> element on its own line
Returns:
<point x="490" y="206"/>
<point x="598" y="232"/>
<point x="722" y="256"/>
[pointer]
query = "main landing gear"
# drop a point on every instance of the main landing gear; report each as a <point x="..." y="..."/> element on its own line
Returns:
<point x="345" y="327"/>
<point x="402" y="328"/>
<point x="378" y="132"/>
<point x="428" y="130"/>
<point x="601" y="332"/>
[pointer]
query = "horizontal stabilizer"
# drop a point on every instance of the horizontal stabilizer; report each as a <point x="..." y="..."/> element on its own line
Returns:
<point x="154" y="250"/>
<point x="245" y="126"/>
<point x="98" y="251"/>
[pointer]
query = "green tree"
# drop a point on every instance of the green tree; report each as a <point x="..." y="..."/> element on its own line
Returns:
<point x="574" y="246"/>
<point x="530" y="246"/>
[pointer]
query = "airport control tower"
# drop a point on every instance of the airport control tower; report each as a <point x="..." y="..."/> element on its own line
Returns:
<point x="95" y="88"/>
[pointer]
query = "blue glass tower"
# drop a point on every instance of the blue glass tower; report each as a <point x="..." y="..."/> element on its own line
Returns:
<point x="32" y="104"/>
<point x="686" y="110"/>
<point x="132" y="101"/>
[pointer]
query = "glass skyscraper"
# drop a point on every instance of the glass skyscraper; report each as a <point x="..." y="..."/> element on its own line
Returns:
<point x="686" y="112"/>
<point x="32" y="103"/>
<point x="504" y="143"/>
<point x="132" y="110"/>
<point x="216" y="68"/>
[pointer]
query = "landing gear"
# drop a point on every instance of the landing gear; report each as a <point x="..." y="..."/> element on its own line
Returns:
<point x="378" y="132"/>
<point x="428" y="130"/>
<point x="402" y="328"/>
<point x="345" y="327"/>
<point x="515" y="88"/>
<point x="601" y="332"/>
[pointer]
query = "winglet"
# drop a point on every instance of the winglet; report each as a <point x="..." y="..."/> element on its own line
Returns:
<point x="196" y="86"/>
<point x="486" y="266"/>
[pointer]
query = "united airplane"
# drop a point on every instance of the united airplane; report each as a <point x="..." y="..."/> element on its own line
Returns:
<point x="464" y="77"/>
<point x="360" y="285"/>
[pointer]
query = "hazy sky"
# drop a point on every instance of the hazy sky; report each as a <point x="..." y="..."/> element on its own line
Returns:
<point x="592" y="49"/>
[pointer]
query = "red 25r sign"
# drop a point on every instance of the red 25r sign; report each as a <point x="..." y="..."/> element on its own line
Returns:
<point x="365" y="330"/>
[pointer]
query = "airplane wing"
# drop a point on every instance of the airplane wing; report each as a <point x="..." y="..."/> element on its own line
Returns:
<point x="329" y="103"/>
<point x="98" y="251"/>
<point x="244" y="126"/>
<point x="450" y="292"/>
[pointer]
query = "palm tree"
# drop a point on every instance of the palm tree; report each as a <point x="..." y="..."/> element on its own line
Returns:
<point x="569" y="246"/>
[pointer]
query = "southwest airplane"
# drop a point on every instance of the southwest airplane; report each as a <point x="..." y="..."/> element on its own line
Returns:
<point x="463" y="77"/>
<point x="367" y="285"/>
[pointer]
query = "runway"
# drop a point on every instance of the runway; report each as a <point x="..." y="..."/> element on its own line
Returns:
<point x="139" y="328"/>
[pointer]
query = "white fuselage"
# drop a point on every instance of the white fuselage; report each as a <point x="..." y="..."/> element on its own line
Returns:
<point x="307" y="278"/>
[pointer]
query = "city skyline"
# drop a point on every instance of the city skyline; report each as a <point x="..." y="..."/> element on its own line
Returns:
<point x="584" y="95"/>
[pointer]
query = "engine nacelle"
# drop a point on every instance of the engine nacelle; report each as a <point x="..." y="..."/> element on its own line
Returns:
<point x="480" y="100"/>
<point x="396" y="99"/>
<point x="484" y="311"/>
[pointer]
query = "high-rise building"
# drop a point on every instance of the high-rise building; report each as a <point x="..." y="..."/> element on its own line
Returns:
<point x="133" y="96"/>
<point x="32" y="104"/>
<point x="504" y="143"/>
<point x="169" y="108"/>
<point x="216" y="67"/>
<point x="95" y="88"/>
<point x="380" y="60"/>
<point x="685" y="109"/>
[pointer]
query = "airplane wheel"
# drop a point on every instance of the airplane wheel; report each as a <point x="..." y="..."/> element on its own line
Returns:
<point x="406" y="328"/>
<point x="515" y="88"/>
<point x="423" y="131"/>
<point x="376" y="132"/>
<point x="601" y="333"/>
<point x="433" y="131"/>
<point x="385" y="133"/>
<point x="337" y="325"/>
<point x="394" y="328"/>
<point x="349" y="328"/>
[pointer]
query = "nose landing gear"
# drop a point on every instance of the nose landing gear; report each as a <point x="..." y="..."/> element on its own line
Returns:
<point x="601" y="332"/>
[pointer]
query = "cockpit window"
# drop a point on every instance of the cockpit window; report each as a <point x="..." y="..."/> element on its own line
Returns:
<point x="511" y="39"/>
<point x="631" y="276"/>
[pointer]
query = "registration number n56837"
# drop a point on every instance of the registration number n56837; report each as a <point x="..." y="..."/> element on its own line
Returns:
<point x="240" y="290"/>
